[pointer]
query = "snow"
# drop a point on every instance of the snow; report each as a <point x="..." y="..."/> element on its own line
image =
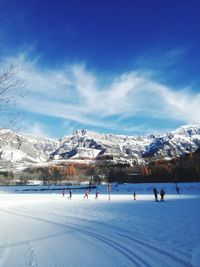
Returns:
<point x="47" y="229"/>
<point x="20" y="149"/>
<point x="86" y="152"/>
<point x="17" y="155"/>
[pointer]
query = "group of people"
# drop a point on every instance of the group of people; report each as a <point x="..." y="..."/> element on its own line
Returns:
<point x="86" y="193"/>
<point x="162" y="194"/>
<point x="70" y="194"/>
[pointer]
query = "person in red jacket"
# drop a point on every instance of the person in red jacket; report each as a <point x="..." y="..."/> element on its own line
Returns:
<point x="86" y="194"/>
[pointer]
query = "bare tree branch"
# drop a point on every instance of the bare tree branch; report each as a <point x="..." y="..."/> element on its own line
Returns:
<point x="10" y="88"/>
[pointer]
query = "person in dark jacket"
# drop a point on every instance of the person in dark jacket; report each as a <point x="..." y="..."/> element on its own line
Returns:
<point x="177" y="190"/>
<point x="96" y="194"/>
<point x="70" y="194"/>
<point x="162" y="194"/>
<point x="155" y="194"/>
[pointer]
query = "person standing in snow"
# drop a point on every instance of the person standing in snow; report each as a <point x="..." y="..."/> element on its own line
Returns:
<point x="162" y="194"/>
<point x="86" y="194"/>
<point x="96" y="194"/>
<point x="63" y="193"/>
<point x="177" y="190"/>
<point x="70" y="194"/>
<point x="155" y="194"/>
<point x="134" y="196"/>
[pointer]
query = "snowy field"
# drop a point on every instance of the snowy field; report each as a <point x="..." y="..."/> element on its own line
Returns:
<point x="48" y="230"/>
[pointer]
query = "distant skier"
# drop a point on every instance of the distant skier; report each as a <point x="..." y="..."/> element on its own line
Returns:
<point x="86" y="194"/>
<point x="155" y="194"/>
<point x="63" y="193"/>
<point x="177" y="190"/>
<point x="70" y="194"/>
<point x="134" y="196"/>
<point x="162" y="194"/>
<point x="96" y="194"/>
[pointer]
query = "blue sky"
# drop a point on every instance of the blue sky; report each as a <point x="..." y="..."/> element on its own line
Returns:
<point x="125" y="67"/>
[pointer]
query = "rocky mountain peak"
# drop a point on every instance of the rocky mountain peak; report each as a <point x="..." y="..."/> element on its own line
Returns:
<point x="83" y="144"/>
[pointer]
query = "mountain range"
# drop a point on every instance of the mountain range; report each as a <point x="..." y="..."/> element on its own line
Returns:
<point x="17" y="150"/>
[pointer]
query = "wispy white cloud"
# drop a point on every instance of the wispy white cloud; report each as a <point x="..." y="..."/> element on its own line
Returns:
<point x="74" y="93"/>
<point x="36" y="129"/>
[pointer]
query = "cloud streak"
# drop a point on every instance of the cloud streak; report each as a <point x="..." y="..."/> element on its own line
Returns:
<point x="76" y="94"/>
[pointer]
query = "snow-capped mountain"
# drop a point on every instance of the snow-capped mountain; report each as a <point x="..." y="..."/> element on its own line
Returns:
<point x="18" y="149"/>
<point x="22" y="149"/>
<point x="176" y="143"/>
<point x="88" y="144"/>
<point x="91" y="145"/>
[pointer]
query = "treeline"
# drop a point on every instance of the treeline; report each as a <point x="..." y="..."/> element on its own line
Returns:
<point x="6" y="177"/>
<point x="63" y="173"/>
<point x="180" y="169"/>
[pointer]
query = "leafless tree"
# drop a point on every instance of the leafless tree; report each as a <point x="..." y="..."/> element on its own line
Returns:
<point x="10" y="89"/>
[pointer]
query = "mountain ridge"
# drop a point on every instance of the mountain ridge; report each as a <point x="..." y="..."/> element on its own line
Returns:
<point x="19" y="150"/>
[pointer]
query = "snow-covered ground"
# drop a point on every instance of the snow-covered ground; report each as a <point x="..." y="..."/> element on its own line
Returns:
<point x="48" y="230"/>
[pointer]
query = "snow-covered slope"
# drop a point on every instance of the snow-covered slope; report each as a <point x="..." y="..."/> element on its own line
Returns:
<point x="104" y="146"/>
<point x="183" y="140"/>
<point x="18" y="148"/>
<point x="48" y="230"/>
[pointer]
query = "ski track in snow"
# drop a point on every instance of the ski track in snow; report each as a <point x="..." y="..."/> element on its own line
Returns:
<point x="19" y="240"/>
<point x="4" y="252"/>
<point x="140" y="241"/>
<point x="138" y="252"/>
<point x="131" y="256"/>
